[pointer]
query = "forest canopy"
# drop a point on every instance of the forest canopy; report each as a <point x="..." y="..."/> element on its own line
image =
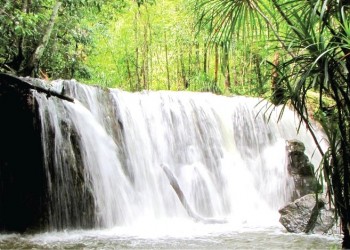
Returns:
<point x="132" y="45"/>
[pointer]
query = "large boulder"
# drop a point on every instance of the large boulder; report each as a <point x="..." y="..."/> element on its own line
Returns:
<point x="22" y="175"/>
<point x="301" y="170"/>
<point x="27" y="201"/>
<point x="307" y="214"/>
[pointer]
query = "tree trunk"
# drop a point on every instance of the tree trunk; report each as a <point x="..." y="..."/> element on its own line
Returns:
<point x="129" y="71"/>
<point x="228" y="78"/>
<point x="183" y="70"/>
<point x="205" y="59"/>
<point x="346" y="235"/>
<point x="216" y="65"/>
<point x="277" y="90"/>
<point x="145" y="58"/>
<point x="225" y="65"/>
<point x="189" y="71"/>
<point x="177" y="70"/>
<point x="15" y="65"/>
<point x="39" y="51"/>
<point x="138" y="81"/>
<point x="257" y="59"/>
<point x="197" y="57"/>
<point x="167" y="61"/>
<point x="150" y="58"/>
<point x="234" y="69"/>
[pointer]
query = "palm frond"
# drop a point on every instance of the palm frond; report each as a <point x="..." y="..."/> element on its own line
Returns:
<point x="230" y="20"/>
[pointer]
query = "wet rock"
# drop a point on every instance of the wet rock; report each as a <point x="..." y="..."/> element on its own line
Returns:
<point x="301" y="170"/>
<point x="325" y="221"/>
<point x="22" y="175"/>
<point x="28" y="203"/>
<point x="307" y="214"/>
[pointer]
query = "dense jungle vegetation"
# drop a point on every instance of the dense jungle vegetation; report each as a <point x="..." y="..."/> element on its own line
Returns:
<point x="278" y="49"/>
<point x="133" y="45"/>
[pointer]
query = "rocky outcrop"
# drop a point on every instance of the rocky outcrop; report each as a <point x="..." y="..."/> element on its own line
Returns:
<point x="26" y="204"/>
<point x="22" y="175"/>
<point x="307" y="214"/>
<point x="301" y="169"/>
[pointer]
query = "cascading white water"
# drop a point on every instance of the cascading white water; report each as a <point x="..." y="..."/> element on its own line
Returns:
<point x="228" y="160"/>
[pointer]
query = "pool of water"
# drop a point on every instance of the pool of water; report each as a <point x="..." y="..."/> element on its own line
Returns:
<point x="172" y="235"/>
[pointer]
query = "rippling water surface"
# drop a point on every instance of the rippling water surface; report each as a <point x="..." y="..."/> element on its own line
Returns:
<point x="172" y="235"/>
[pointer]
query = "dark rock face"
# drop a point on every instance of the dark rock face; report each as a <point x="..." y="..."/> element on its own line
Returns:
<point x="307" y="214"/>
<point x="26" y="201"/>
<point x="70" y="203"/>
<point x="301" y="169"/>
<point x="22" y="176"/>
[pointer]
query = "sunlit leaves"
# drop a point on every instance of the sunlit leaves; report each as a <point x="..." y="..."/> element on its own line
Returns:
<point x="345" y="27"/>
<point x="228" y="20"/>
<point x="23" y="25"/>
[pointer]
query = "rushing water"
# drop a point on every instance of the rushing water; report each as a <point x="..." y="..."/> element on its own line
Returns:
<point x="104" y="154"/>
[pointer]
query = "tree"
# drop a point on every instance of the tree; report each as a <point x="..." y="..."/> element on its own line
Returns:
<point x="34" y="59"/>
<point x="45" y="36"/>
<point x="317" y="33"/>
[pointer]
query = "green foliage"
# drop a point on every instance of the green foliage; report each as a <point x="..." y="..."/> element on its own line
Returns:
<point x="155" y="45"/>
<point x="24" y="24"/>
<point x="230" y="20"/>
<point x="133" y="45"/>
<point x="320" y="61"/>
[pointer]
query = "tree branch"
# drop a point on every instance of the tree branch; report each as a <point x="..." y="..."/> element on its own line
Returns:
<point x="23" y="84"/>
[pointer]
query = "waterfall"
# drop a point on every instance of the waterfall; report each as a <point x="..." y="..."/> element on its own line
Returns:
<point x="103" y="156"/>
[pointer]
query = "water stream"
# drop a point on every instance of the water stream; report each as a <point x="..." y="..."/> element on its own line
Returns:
<point x="103" y="164"/>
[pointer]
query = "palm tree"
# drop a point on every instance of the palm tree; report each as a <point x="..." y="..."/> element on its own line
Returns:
<point x="314" y="42"/>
